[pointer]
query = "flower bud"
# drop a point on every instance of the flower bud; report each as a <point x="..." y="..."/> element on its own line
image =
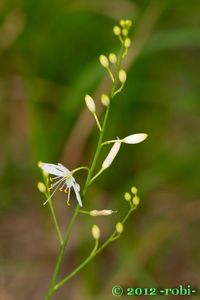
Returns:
<point x="122" y="23"/>
<point x="134" y="190"/>
<point x="127" y="42"/>
<point x="95" y="232"/>
<point x="127" y="197"/>
<point x="90" y="104"/>
<point x="135" y="138"/>
<point x="128" y="23"/>
<point x="122" y="76"/>
<point x="105" y="99"/>
<point x="124" y="32"/>
<point x="136" y="200"/>
<point x="105" y="212"/>
<point x="104" y="61"/>
<point x="119" y="227"/>
<point x="41" y="187"/>
<point x="111" y="155"/>
<point x="117" y="30"/>
<point x="112" y="58"/>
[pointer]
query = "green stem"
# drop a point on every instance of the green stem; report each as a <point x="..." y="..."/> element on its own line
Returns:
<point x="55" y="222"/>
<point x="97" y="121"/>
<point x="97" y="175"/>
<point x="61" y="254"/>
<point x="63" y="246"/>
<point x="98" y="149"/>
<point x="80" y="168"/>
<point x="87" y="183"/>
<point x="110" y="142"/>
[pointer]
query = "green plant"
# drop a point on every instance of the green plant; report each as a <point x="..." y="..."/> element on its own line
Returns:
<point x="64" y="179"/>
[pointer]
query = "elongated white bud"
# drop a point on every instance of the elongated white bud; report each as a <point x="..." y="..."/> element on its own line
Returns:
<point x="122" y="76"/>
<point x="104" y="61"/>
<point x="90" y="104"/>
<point x="95" y="232"/>
<point x="135" y="138"/>
<point x="111" y="155"/>
<point x="104" y="212"/>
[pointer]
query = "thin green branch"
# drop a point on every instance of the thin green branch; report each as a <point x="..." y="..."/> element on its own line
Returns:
<point x="80" y="168"/>
<point x="95" y="176"/>
<point x="97" y="121"/>
<point x="55" y="222"/>
<point x="61" y="254"/>
<point x="94" y="252"/>
<point x="47" y="195"/>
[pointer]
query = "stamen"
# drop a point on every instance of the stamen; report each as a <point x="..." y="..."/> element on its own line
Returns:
<point x="65" y="190"/>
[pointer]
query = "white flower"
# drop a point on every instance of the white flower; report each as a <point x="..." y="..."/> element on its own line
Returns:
<point x="63" y="179"/>
<point x="111" y="155"/>
<point x="135" y="138"/>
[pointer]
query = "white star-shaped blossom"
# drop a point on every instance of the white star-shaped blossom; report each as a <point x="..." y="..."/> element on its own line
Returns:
<point x="63" y="180"/>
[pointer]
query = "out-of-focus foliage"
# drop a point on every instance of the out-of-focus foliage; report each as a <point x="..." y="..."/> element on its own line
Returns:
<point x="49" y="60"/>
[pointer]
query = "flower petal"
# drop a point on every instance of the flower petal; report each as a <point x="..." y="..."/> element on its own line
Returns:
<point x="78" y="197"/>
<point x="58" y="170"/>
<point x="135" y="138"/>
<point x="111" y="155"/>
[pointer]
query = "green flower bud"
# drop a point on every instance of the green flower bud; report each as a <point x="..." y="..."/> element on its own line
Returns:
<point x="127" y="42"/>
<point x="122" y="76"/>
<point x="105" y="99"/>
<point x="95" y="232"/>
<point x="122" y="23"/>
<point x="119" y="227"/>
<point x="128" y="23"/>
<point x="127" y="196"/>
<point x="41" y="187"/>
<point x="136" y="200"/>
<point x="116" y="30"/>
<point x="125" y="31"/>
<point x="104" y="61"/>
<point x="112" y="58"/>
<point x="134" y="190"/>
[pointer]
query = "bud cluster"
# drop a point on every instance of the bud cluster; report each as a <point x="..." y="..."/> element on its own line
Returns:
<point x="134" y="198"/>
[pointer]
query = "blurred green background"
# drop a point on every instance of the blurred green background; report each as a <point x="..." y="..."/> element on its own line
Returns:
<point x="49" y="60"/>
